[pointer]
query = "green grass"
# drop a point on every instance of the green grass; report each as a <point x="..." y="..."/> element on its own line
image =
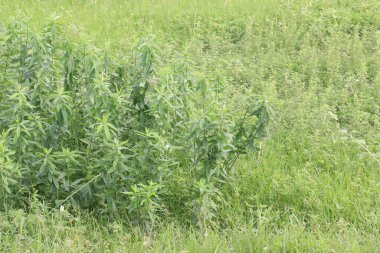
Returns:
<point x="119" y="21"/>
<point x="313" y="187"/>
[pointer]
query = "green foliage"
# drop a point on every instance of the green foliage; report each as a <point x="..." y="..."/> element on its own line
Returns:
<point x="313" y="187"/>
<point x="9" y="171"/>
<point x="106" y="135"/>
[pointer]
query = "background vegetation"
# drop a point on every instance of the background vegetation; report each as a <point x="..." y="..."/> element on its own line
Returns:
<point x="312" y="186"/>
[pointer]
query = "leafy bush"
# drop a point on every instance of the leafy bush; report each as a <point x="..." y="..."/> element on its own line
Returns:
<point x="83" y="128"/>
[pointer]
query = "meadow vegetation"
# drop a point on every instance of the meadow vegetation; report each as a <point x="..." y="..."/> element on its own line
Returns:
<point x="189" y="126"/>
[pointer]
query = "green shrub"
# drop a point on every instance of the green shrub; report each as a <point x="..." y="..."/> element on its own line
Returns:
<point x="85" y="129"/>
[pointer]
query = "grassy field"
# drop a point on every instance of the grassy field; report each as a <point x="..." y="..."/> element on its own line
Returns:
<point x="314" y="185"/>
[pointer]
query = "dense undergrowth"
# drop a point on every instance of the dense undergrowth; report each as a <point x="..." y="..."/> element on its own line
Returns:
<point x="81" y="128"/>
<point x="312" y="187"/>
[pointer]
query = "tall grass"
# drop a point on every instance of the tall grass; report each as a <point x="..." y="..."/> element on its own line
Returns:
<point x="312" y="187"/>
<point x="132" y="19"/>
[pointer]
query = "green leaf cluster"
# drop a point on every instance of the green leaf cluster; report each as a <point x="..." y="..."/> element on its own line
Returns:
<point x="86" y="129"/>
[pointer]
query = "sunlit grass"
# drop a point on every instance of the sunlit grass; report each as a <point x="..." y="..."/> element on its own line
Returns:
<point x="313" y="186"/>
